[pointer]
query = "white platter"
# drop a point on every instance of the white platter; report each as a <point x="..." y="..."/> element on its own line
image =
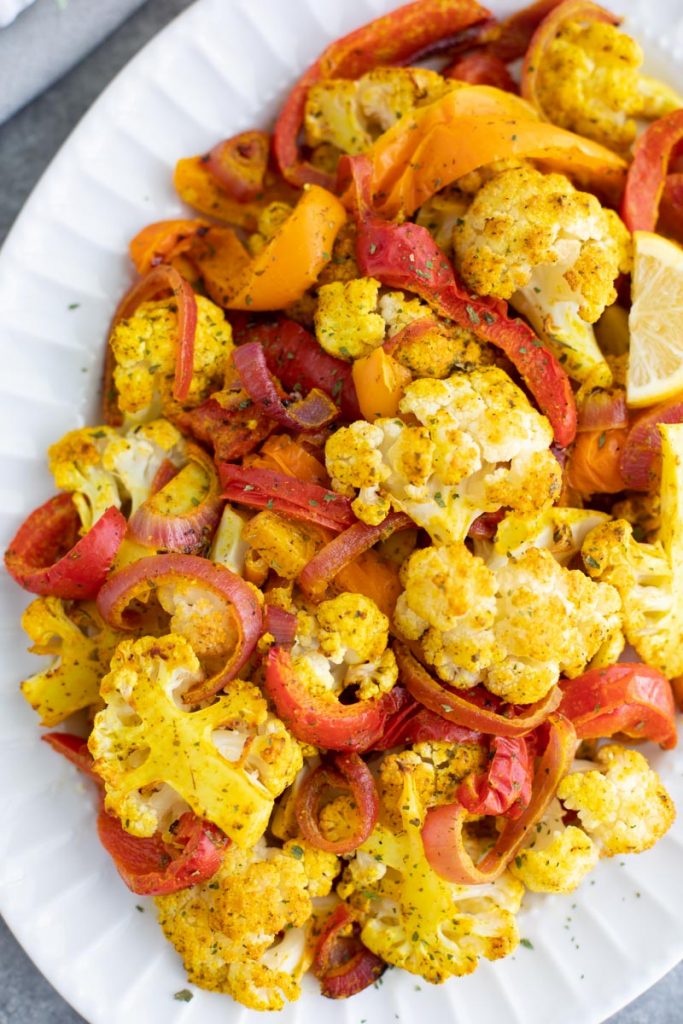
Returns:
<point x="221" y="67"/>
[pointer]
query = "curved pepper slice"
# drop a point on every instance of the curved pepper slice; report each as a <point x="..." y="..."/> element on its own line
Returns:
<point x="163" y="241"/>
<point x="265" y="488"/>
<point x="391" y="39"/>
<point x="239" y="164"/>
<point x="443" y="836"/>
<point x="135" y="581"/>
<point x="508" y="39"/>
<point x="647" y="176"/>
<point x="482" y="68"/>
<point x="285" y="268"/>
<point x="406" y="256"/>
<point x="413" y="723"/>
<point x="545" y="34"/>
<point x="150" y="867"/>
<point x="325" y="722"/>
<point x="630" y="698"/>
<point x="468" y="712"/>
<point x="504" y="787"/>
<point x="45" y="556"/>
<point x="349" y="773"/>
<point x="340" y="960"/>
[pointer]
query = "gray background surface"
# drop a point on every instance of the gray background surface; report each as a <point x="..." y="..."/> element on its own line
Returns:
<point x="27" y="143"/>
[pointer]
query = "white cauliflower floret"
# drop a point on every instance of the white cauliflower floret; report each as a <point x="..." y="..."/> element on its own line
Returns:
<point x="349" y="115"/>
<point x="236" y="756"/>
<point x="346" y="322"/>
<point x="649" y="577"/>
<point x="233" y="932"/>
<point x="558" y="857"/>
<point x="344" y="643"/>
<point x="144" y="352"/>
<point x="478" y="445"/>
<point x="561" y="530"/>
<point x="102" y="468"/>
<point x="553" y="252"/>
<point x="414" y="919"/>
<point x="621" y="804"/>
<point x="515" y="629"/>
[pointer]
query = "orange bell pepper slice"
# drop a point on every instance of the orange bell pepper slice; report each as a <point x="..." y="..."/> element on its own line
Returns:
<point x="380" y="381"/>
<point x="373" y="577"/>
<point x="197" y="186"/>
<point x="594" y="465"/>
<point x="290" y="262"/>
<point x="449" y="150"/>
<point x="162" y="242"/>
<point x="285" y="455"/>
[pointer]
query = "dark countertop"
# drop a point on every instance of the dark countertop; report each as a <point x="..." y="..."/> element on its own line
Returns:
<point x="27" y="144"/>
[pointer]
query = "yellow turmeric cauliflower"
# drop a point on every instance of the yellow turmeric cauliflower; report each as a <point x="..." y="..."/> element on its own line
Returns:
<point x="621" y="802"/>
<point x="236" y="757"/>
<point x="81" y="645"/>
<point x="349" y="115"/>
<point x="515" y="629"/>
<point x="437" y="768"/>
<point x="227" y="929"/>
<point x="589" y="81"/>
<point x="144" y="351"/>
<point x="284" y="544"/>
<point x="649" y="577"/>
<point x="477" y="446"/>
<point x="102" y="468"/>
<point x="414" y="919"/>
<point x="346" y="324"/>
<point x="344" y="643"/>
<point x="554" y="252"/>
<point x="437" y="352"/>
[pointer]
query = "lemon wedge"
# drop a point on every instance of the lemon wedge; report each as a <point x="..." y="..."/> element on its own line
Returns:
<point x="655" y="369"/>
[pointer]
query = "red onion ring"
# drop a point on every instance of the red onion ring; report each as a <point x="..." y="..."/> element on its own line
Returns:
<point x="310" y="413"/>
<point x="603" y="410"/>
<point x="351" y="774"/>
<point x="342" y="963"/>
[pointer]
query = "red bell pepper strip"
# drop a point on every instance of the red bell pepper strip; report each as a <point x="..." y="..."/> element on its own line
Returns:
<point x="350" y="773"/>
<point x="239" y="164"/>
<point x="294" y="356"/>
<point x="265" y="488"/>
<point x="509" y="39"/>
<point x="232" y="432"/>
<point x="162" y="279"/>
<point x="482" y="68"/>
<point x="647" y="176"/>
<point x="466" y="711"/>
<point x="413" y="723"/>
<point x="311" y="413"/>
<point x="317" y="574"/>
<point x="406" y="256"/>
<point x="630" y="698"/>
<point x="46" y="557"/>
<point x="324" y="722"/>
<point x="544" y="36"/>
<point x="442" y="833"/>
<point x="504" y="787"/>
<point x="134" y="581"/>
<point x="391" y="39"/>
<point x="149" y="866"/>
<point x="340" y="960"/>
<point x="641" y="455"/>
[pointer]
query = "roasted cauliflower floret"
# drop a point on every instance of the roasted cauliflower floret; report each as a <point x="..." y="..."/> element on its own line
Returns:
<point x="273" y="980"/>
<point x="561" y="530"/>
<point x="558" y="856"/>
<point x="649" y="577"/>
<point x="283" y="544"/>
<point x="346" y="322"/>
<point x="514" y="629"/>
<point x="270" y="220"/>
<point x="226" y="930"/>
<point x="81" y="645"/>
<point x="437" y="768"/>
<point x="321" y="867"/>
<point x="621" y="804"/>
<point x="144" y="351"/>
<point x="344" y="643"/>
<point x="414" y="919"/>
<point x="349" y="115"/>
<point x="434" y="352"/>
<point x="589" y="81"/>
<point x="102" y="468"/>
<point x="554" y="252"/>
<point x="236" y="756"/>
<point x="441" y="213"/>
<point x="476" y="446"/>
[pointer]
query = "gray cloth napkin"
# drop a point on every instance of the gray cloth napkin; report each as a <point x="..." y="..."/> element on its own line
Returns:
<point x="48" y="39"/>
